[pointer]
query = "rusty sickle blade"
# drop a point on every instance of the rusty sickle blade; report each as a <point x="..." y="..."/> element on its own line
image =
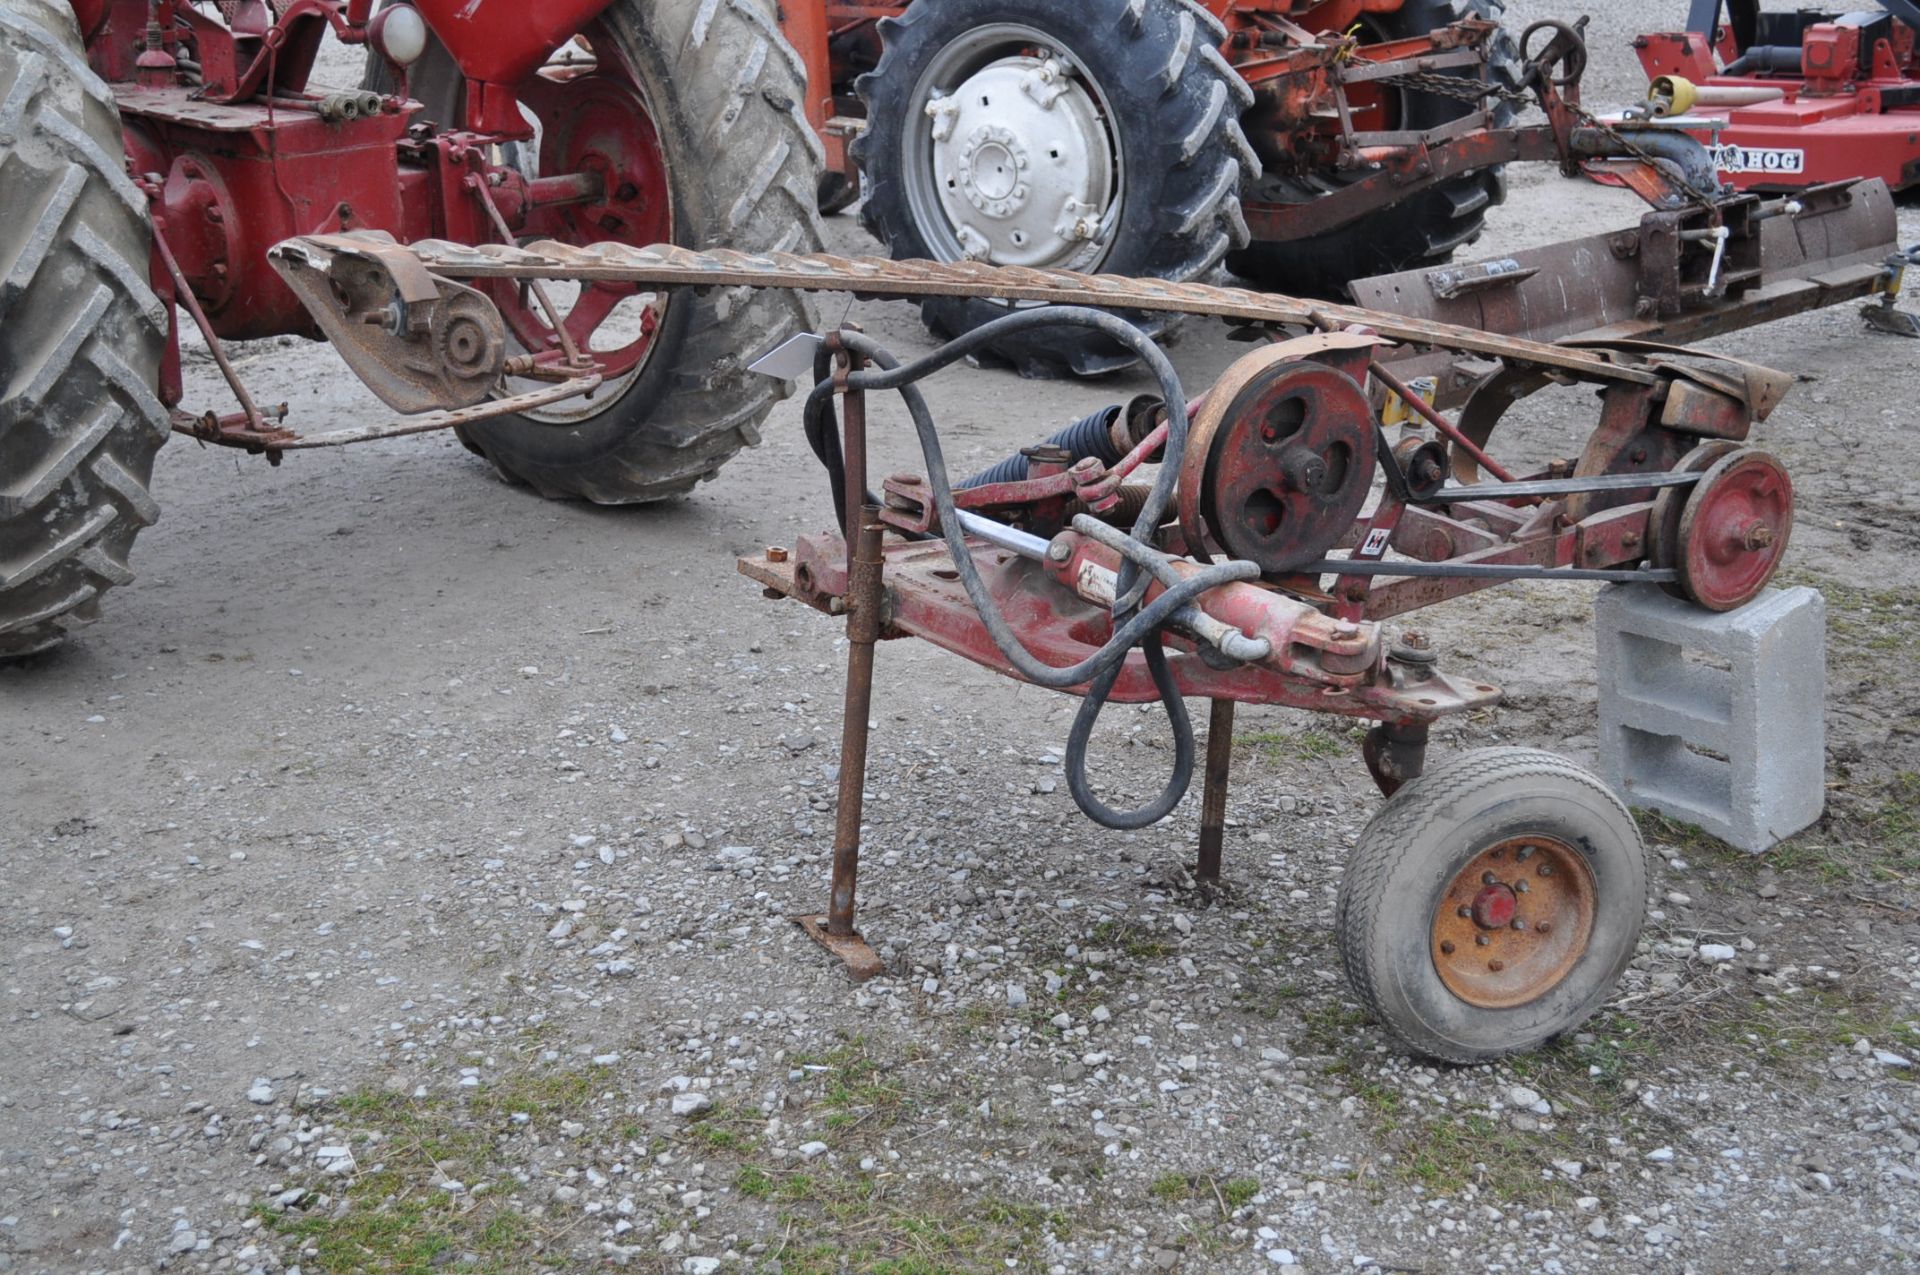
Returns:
<point x="670" y="266"/>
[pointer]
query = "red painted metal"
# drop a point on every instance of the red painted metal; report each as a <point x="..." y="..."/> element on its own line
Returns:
<point x="502" y="43"/>
<point x="237" y="152"/>
<point x="1494" y="906"/>
<point x="1850" y="109"/>
<point x="1323" y="101"/>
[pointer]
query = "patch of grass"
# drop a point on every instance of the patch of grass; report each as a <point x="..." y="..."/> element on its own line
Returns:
<point x="1305" y="745"/>
<point x="863" y="1092"/>
<point x="1134" y="939"/>
<point x="1223" y="1193"/>
<point x="1869" y="834"/>
<point x="392" y="1218"/>
<point x="840" y="1223"/>
<point x="1171" y="1188"/>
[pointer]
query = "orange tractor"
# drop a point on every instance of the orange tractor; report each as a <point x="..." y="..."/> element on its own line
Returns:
<point x="1160" y="137"/>
<point x="1305" y="144"/>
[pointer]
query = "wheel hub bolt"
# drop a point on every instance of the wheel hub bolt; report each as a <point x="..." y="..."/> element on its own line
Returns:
<point x="1544" y="926"/>
<point x="1525" y="853"/>
<point x="1521" y="887"/>
<point x="1518" y="924"/>
<point x="1496" y="966"/>
<point x="1482" y="940"/>
<point x="1446" y="948"/>
<point x="1546" y="869"/>
<point x="1759" y="536"/>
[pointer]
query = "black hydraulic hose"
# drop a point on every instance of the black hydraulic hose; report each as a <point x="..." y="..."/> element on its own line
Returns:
<point x="1133" y="625"/>
<point x="1088" y="436"/>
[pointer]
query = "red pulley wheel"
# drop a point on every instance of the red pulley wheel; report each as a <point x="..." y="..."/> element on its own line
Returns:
<point x="1733" y="530"/>
<point x="1282" y="469"/>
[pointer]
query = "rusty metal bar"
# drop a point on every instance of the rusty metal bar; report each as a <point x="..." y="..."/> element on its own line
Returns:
<point x="1213" y="797"/>
<point x="1441" y="423"/>
<point x="853" y="444"/>
<point x="555" y="319"/>
<point x="427" y="422"/>
<point x="667" y="265"/>
<point x="865" y="599"/>
<point x="184" y="292"/>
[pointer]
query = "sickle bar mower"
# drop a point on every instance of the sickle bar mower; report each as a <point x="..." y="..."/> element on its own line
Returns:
<point x="1497" y="896"/>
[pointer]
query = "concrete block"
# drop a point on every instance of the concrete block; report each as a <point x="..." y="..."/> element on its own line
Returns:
<point x="1715" y="718"/>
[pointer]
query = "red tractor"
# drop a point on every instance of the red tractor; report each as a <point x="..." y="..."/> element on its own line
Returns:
<point x="1304" y="143"/>
<point x="151" y="151"/>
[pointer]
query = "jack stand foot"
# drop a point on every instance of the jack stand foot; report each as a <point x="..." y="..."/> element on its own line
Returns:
<point x="1884" y="318"/>
<point x="862" y="961"/>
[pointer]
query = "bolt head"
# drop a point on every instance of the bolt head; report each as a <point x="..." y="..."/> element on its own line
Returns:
<point x="1446" y="948"/>
<point x="1059" y="550"/>
<point x="1544" y="926"/>
<point x="1496" y="966"/>
<point x="1481" y="940"/>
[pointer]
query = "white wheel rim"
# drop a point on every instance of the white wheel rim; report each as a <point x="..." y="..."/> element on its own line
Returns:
<point x="1010" y="158"/>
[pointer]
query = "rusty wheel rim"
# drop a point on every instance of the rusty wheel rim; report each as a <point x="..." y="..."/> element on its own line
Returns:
<point x="1513" y="922"/>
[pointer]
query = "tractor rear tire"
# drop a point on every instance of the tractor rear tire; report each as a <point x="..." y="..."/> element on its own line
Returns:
<point x="1423" y="230"/>
<point x="81" y="336"/>
<point x="724" y="89"/>
<point x="1170" y="113"/>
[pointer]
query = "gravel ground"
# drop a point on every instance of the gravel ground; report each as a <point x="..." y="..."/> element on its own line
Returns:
<point x="401" y="872"/>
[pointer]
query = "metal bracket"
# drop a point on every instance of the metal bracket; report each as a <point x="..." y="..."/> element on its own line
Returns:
<point x="418" y="341"/>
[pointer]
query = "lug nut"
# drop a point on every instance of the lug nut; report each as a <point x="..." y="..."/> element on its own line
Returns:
<point x="1496" y="966"/>
<point x="1521" y="887"/>
<point x="1518" y="924"/>
<point x="1487" y="878"/>
<point x="1544" y="926"/>
<point x="1526" y="852"/>
<point x="1446" y="948"/>
<point x="1481" y="940"/>
<point x="1546" y="869"/>
<point x="1464" y="912"/>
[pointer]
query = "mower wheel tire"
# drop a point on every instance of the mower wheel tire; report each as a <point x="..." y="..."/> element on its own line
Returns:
<point x="81" y="336"/>
<point x="1425" y="229"/>
<point x="1492" y="904"/>
<point x="1097" y="136"/>
<point x="723" y="88"/>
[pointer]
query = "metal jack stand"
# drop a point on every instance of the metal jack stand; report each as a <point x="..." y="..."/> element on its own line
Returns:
<point x="1213" y="797"/>
<point x="866" y="598"/>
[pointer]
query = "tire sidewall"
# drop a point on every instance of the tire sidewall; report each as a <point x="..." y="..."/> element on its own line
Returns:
<point x="1132" y="109"/>
<point x="1408" y="988"/>
<point x="516" y="444"/>
<point x="1161" y="231"/>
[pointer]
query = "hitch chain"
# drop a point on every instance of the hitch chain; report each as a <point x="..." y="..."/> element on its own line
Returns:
<point x="1538" y="85"/>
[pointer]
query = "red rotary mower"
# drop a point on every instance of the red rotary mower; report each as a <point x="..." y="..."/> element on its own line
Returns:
<point x="1788" y="100"/>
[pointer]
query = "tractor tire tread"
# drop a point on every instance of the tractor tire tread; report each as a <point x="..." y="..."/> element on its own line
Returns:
<point x="735" y="121"/>
<point x="81" y="337"/>
<point x="1189" y="216"/>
